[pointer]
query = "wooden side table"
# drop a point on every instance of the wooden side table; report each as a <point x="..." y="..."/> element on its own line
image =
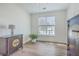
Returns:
<point x="9" y="44"/>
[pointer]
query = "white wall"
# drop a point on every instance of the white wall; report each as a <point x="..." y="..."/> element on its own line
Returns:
<point x="60" y="26"/>
<point x="73" y="10"/>
<point x="12" y="14"/>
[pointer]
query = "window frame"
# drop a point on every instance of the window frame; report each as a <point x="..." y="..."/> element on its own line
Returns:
<point x="54" y="25"/>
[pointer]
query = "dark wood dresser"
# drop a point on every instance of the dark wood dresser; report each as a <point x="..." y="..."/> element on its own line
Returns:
<point x="9" y="44"/>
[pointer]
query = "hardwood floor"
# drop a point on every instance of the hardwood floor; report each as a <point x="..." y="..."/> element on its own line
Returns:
<point x="42" y="49"/>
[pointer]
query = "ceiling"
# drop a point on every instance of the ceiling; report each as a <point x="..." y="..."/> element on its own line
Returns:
<point x="43" y="7"/>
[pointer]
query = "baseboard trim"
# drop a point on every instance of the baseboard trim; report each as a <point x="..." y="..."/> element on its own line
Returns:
<point x="52" y="42"/>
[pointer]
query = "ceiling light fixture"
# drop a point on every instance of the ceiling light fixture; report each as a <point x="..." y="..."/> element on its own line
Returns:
<point x="44" y="8"/>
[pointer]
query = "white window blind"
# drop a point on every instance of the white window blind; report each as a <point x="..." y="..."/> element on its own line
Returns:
<point x="46" y="25"/>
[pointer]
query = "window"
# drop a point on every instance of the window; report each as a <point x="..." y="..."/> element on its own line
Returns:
<point x="46" y="26"/>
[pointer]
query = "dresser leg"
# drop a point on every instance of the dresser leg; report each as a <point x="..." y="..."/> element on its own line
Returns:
<point x="4" y="55"/>
<point x="21" y="47"/>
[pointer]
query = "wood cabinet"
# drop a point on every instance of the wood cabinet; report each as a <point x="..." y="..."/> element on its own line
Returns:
<point x="9" y="44"/>
<point x="73" y="36"/>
